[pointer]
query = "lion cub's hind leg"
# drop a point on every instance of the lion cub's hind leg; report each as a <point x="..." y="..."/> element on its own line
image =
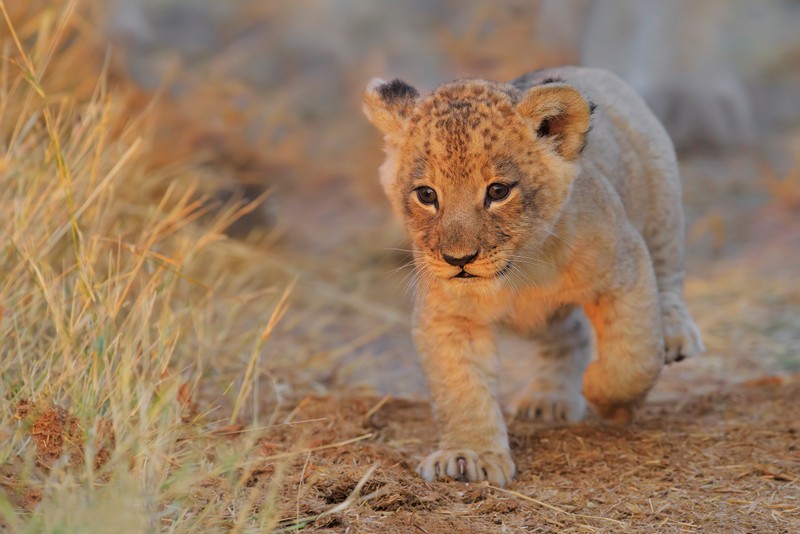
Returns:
<point x="665" y="243"/>
<point x="682" y="338"/>
<point x="563" y="350"/>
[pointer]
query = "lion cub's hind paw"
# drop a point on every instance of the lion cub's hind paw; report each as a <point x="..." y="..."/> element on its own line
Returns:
<point x="549" y="407"/>
<point x="466" y="465"/>
<point x="682" y="338"/>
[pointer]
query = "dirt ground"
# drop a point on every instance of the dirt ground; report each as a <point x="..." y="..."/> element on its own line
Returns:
<point x="721" y="462"/>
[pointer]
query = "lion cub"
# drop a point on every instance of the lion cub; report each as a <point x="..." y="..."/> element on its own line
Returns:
<point x="549" y="203"/>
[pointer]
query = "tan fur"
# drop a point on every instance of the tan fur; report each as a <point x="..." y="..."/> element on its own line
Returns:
<point x="590" y="233"/>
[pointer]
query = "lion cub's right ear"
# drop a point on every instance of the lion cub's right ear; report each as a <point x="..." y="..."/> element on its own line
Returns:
<point x="387" y="105"/>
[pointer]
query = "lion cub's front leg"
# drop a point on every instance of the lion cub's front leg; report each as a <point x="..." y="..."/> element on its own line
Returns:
<point x="458" y="355"/>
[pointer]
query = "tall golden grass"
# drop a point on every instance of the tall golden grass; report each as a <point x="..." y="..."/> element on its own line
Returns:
<point x="118" y="293"/>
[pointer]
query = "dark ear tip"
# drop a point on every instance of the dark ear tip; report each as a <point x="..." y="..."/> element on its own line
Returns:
<point x="395" y="90"/>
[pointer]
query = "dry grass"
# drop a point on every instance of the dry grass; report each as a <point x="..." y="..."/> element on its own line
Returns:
<point x="152" y="367"/>
<point x="119" y="292"/>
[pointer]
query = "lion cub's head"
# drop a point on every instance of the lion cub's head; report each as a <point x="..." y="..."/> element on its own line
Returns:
<point x="477" y="171"/>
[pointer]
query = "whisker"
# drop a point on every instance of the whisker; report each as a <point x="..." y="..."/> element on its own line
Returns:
<point x="524" y="277"/>
<point x="397" y="269"/>
<point x="531" y="259"/>
<point x="570" y="245"/>
<point x="413" y="280"/>
<point x="410" y="274"/>
<point x="398" y="249"/>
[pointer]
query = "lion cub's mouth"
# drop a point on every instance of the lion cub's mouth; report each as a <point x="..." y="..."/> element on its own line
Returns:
<point x="502" y="272"/>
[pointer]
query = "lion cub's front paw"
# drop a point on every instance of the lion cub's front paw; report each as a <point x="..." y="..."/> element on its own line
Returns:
<point x="549" y="407"/>
<point x="681" y="336"/>
<point x="468" y="466"/>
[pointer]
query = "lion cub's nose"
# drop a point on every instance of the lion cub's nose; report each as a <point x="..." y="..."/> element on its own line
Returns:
<point x="460" y="262"/>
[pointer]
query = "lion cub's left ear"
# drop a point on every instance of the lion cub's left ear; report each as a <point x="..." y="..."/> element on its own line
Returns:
<point x="560" y="112"/>
<point x="388" y="105"/>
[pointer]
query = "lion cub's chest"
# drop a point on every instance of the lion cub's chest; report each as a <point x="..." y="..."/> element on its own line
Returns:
<point x="529" y="309"/>
<point x="530" y="306"/>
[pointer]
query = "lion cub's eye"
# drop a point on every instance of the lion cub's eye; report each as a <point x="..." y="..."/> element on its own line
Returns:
<point x="426" y="195"/>
<point x="496" y="192"/>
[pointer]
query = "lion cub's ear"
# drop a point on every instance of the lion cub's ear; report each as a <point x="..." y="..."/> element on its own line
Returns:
<point x="387" y="105"/>
<point x="560" y="112"/>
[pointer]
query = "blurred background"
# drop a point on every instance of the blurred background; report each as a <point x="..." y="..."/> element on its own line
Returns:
<point x="270" y="94"/>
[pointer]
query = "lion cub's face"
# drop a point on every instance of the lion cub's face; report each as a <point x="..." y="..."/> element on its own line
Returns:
<point x="477" y="171"/>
